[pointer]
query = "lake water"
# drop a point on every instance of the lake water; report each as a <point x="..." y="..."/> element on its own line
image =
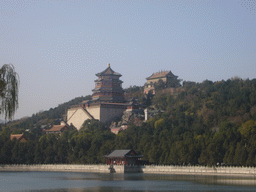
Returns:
<point x="77" y="182"/>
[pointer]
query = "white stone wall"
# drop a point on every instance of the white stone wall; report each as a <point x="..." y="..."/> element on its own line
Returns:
<point x="104" y="113"/>
<point x="77" y="116"/>
<point x="94" y="111"/>
<point x="108" y="113"/>
<point x="156" y="80"/>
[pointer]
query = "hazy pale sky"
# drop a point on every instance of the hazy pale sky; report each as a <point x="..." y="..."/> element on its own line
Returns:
<point x="57" y="46"/>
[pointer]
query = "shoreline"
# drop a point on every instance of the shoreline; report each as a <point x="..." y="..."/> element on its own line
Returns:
<point x="147" y="169"/>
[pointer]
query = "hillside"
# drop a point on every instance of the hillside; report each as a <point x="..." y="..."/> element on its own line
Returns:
<point x="48" y="118"/>
<point x="201" y="123"/>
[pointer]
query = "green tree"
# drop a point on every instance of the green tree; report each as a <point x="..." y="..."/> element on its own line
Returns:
<point x="6" y="152"/>
<point x="248" y="129"/>
<point x="9" y="83"/>
<point x="240" y="154"/>
<point x="23" y="153"/>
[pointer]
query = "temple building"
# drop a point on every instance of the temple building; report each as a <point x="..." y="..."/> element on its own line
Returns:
<point x="165" y="76"/>
<point x="107" y="101"/>
<point x="59" y="129"/>
<point x="19" y="137"/>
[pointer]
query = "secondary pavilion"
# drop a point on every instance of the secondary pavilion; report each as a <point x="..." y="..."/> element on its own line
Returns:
<point x="165" y="76"/>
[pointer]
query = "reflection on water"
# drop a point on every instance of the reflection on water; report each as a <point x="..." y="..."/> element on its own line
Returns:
<point x="77" y="182"/>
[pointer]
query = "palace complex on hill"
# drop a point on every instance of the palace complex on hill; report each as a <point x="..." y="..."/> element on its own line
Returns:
<point x="108" y="102"/>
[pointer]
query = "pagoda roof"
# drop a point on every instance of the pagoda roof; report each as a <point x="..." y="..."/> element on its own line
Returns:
<point x="108" y="89"/>
<point x="161" y="74"/>
<point x="108" y="80"/>
<point x="108" y="71"/>
<point x="123" y="153"/>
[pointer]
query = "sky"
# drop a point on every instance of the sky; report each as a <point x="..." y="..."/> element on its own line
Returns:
<point x="57" y="46"/>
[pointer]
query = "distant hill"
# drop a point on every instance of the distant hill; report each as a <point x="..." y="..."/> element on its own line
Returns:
<point x="236" y="97"/>
<point x="206" y="123"/>
<point x="48" y="117"/>
<point x="55" y="115"/>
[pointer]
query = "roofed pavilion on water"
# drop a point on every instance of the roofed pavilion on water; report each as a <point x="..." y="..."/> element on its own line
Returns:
<point x="123" y="157"/>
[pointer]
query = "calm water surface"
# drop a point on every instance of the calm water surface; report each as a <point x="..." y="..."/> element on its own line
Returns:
<point x="77" y="182"/>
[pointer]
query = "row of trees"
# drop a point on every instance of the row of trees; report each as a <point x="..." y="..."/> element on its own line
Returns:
<point x="89" y="145"/>
<point x="159" y="140"/>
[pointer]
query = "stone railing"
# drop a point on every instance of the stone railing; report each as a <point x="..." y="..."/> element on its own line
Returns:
<point x="204" y="170"/>
<point x="152" y="169"/>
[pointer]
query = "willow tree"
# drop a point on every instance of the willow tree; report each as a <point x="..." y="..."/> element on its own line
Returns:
<point x="9" y="82"/>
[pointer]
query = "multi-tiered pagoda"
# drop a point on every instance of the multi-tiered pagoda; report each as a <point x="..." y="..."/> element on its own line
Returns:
<point x="108" y="87"/>
<point x="107" y="101"/>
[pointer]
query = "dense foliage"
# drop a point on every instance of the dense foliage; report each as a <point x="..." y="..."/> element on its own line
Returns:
<point x="202" y="123"/>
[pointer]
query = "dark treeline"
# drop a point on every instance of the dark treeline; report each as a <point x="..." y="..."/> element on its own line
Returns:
<point x="202" y="123"/>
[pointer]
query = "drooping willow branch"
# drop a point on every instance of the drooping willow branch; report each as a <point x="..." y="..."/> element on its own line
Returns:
<point x="9" y="88"/>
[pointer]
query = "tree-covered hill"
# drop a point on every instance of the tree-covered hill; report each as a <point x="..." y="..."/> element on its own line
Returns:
<point x="48" y="117"/>
<point x="201" y="123"/>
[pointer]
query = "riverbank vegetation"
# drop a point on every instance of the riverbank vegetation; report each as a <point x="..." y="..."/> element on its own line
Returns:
<point x="201" y="124"/>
